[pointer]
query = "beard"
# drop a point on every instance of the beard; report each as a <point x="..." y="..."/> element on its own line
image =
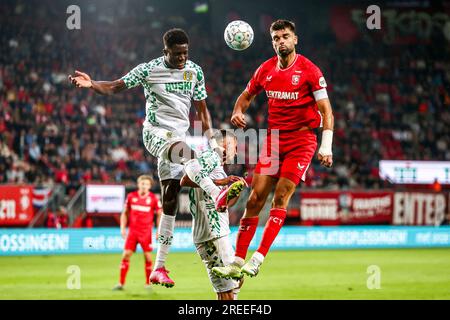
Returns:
<point x="285" y="52"/>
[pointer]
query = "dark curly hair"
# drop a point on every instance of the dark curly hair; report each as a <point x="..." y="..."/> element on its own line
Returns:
<point x="281" y="24"/>
<point x="175" y="36"/>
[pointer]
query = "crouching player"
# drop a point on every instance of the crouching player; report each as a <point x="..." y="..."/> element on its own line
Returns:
<point x="139" y="211"/>
<point x="210" y="228"/>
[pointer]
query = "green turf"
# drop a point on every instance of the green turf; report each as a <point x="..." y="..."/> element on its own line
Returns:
<point x="405" y="274"/>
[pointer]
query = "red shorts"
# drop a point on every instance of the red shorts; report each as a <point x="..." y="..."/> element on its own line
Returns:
<point x="144" y="239"/>
<point x="287" y="155"/>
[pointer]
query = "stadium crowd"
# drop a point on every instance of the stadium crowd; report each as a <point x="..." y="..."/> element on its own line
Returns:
<point x="390" y="101"/>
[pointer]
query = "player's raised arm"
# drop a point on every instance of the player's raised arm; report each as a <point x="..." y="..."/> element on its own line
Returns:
<point x="241" y="105"/>
<point x="325" y="154"/>
<point x="83" y="80"/>
<point x="243" y="101"/>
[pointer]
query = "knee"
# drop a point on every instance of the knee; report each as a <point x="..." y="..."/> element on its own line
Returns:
<point x="127" y="254"/>
<point x="170" y="207"/>
<point x="170" y="197"/>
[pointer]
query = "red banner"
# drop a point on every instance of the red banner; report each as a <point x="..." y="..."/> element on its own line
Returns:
<point x="333" y="208"/>
<point x="16" y="205"/>
<point x="397" y="208"/>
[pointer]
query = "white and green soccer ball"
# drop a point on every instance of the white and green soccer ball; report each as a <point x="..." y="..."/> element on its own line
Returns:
<point x="238" y="35"/>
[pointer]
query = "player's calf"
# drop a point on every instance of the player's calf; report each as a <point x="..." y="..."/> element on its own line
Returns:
<point x="124" y="266"/>
<point x="255" y="203"/>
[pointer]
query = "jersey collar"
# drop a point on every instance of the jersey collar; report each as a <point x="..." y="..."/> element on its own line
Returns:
<point x="293" y="62"/>
<point x="165" y="65"/>
<point x="142" y="197"/>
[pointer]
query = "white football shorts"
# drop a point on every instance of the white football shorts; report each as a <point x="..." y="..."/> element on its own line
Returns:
<point x="217" y="253"/>
<point x="157" y="141"/>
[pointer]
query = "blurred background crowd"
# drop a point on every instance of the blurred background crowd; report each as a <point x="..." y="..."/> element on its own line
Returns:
<point x="390" y="101"/>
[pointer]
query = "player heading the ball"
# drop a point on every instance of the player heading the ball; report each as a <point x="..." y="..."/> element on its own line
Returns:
<point x="298" y="103"/>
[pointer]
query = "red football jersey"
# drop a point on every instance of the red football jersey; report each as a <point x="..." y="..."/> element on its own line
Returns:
<point x="141" y="211"/>
<point x="292" y="92"/>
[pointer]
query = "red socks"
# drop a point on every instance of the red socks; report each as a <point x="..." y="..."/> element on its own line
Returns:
<point x="247" y="230"/>
<point x="125" y="265"/>
<point x="123" y="270"/>
<point x="245" y="235"/>
<point x="148" y="271"/>
<point x="273" y="226"/>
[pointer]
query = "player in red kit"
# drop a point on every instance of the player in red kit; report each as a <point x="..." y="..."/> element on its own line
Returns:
<point x="140" y="207"/>
<point x="298" y="103"/>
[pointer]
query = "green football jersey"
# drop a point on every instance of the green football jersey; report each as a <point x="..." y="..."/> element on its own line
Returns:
<point x="168" y="92"/>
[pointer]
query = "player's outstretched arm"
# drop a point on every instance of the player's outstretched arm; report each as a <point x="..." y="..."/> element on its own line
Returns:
<point x="325" y="155"/>
<point x="241" y="105"/>
<point x="83" y="80"/>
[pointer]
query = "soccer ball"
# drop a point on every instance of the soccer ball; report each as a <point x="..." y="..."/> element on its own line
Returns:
<point x="238" y="35"/>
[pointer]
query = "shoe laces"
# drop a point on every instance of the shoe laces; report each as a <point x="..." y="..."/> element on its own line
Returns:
<point x="255" y="264"/>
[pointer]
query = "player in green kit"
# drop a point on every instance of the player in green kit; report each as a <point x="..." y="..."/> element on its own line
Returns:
<point x="210" y="228"/>
<point x="172" y="83"/>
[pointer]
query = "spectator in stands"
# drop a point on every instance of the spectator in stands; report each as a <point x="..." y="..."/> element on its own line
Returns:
<point x="58" y="220"/>
<point x="436" y="186"/>
<point x="390" y="101"/>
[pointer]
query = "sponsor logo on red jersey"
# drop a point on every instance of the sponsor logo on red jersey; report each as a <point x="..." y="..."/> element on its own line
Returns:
<point x="282" y="95"/>
<point x="136" y="207"/>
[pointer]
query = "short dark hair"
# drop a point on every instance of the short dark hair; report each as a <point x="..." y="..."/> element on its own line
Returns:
<point x="175" y="36"/>
<point x="281" y="24"/>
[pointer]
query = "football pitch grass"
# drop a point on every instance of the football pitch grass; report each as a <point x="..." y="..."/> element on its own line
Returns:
<point x="337" y="274"/>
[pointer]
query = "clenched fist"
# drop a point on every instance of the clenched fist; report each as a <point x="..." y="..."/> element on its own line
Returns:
<point x="238" y="119"/>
